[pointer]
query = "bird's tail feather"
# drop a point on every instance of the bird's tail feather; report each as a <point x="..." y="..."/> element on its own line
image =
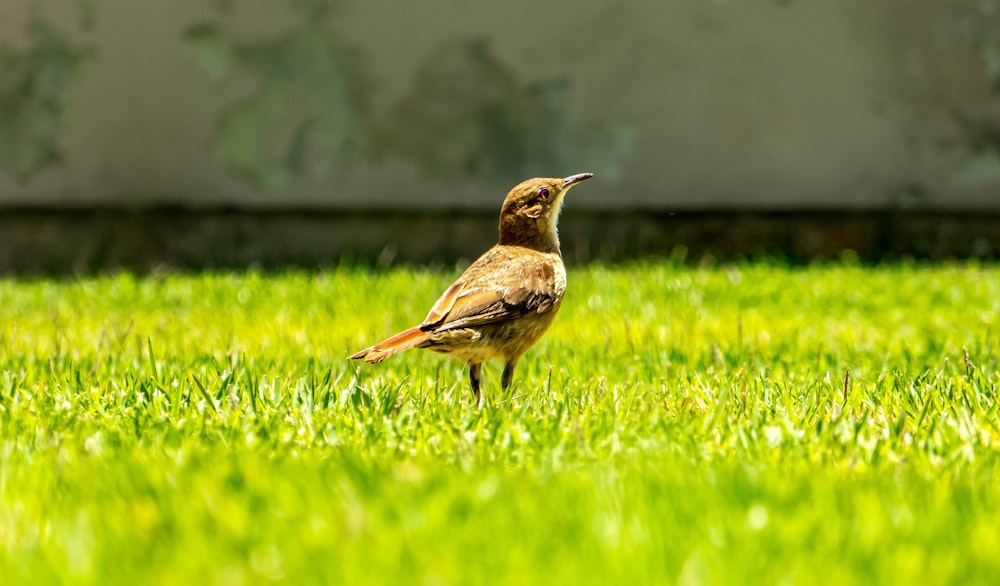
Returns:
<point x="402" y="341"/>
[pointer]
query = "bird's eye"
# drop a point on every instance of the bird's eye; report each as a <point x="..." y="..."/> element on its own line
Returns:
<point x="543" y="193"/>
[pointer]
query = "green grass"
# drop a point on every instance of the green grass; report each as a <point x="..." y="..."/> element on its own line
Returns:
<point x="677" y="425"/>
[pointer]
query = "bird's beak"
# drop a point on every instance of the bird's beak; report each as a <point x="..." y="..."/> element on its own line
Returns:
<point x="574" y="179"/>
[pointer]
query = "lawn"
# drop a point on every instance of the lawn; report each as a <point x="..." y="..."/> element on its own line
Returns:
<point x="750" y="423"/>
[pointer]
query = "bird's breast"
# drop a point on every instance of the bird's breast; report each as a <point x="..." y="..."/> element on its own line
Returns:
<point x="558" y="277"/>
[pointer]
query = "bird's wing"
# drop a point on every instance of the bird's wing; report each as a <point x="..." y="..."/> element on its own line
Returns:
<point x="480" y="306"/>
<point x="443" y="306"/>
<point x="483" y="295"/>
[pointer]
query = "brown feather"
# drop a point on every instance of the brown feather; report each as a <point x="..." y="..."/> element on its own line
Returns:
<point x="404" y="340"/>
<point x="442" y="307"/>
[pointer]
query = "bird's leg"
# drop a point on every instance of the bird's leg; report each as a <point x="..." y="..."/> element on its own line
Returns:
<point x="475" y="377"/>
<point x="508" y="373"/>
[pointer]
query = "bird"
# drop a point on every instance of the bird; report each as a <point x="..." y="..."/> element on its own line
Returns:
<point x="500" y="306"/>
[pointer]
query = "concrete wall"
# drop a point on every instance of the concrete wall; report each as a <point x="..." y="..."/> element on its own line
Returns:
<point x="370" y="104"/>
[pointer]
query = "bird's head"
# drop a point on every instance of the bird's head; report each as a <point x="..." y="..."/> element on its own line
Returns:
<point x="530" y="212"/>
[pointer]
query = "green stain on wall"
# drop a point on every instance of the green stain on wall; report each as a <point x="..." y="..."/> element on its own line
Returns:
<point x="467" y="114"/>
<point x="309" y="111"/>
<point x="35" y="89"/>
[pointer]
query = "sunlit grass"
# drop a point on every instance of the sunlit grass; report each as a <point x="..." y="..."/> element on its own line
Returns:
<point x="750" y="423"/>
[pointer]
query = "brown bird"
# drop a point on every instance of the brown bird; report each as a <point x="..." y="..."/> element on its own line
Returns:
<point x="503" y="303"/>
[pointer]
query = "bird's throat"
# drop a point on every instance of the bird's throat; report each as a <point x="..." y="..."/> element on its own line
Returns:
<point x="537" y="233"/>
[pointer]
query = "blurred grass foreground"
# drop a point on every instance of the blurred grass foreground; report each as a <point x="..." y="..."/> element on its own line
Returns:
<point x="739" y="424"/>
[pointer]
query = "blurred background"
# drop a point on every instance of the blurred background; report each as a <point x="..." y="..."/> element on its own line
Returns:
<point x="228" y="133"/>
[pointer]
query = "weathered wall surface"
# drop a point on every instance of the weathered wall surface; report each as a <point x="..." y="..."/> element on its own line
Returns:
<point x="691" y="104"/>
